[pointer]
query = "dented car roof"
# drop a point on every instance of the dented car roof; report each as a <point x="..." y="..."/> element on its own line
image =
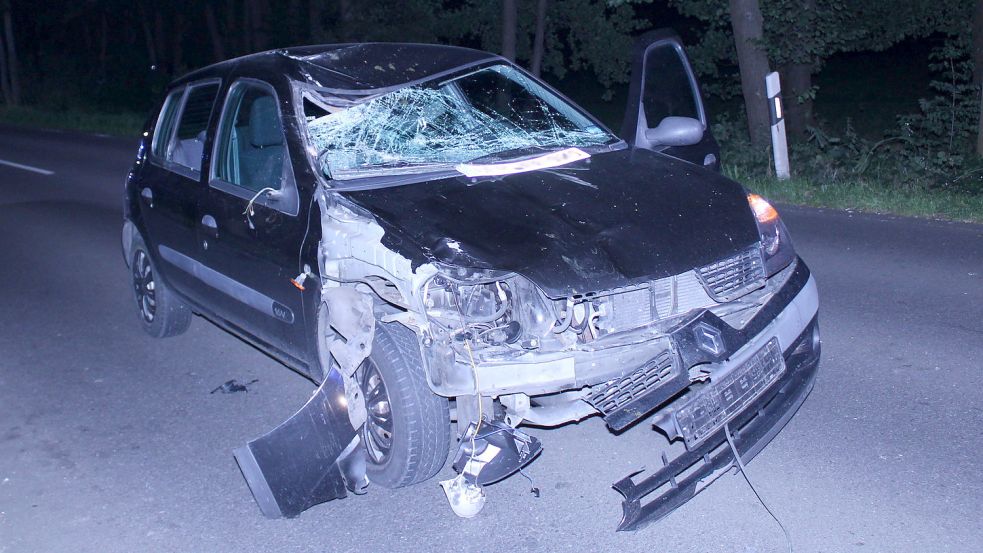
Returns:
<point x="365" y="67"/>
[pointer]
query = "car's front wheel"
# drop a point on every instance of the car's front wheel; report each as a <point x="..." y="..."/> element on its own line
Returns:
<point x="406" y="433"/>
<point x="161" y="312"/>
<point x="407" y="429"/>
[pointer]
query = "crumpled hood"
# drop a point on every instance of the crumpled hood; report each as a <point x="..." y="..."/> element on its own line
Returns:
<point x="616" y="219"/>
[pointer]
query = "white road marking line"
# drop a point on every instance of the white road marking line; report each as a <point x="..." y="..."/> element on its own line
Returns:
<point x="26" y="167"/>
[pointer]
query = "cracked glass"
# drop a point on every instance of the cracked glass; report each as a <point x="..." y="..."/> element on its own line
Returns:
<point x="489" y="115"/>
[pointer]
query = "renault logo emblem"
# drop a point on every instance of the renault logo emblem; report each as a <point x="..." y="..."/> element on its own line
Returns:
<point x="708" y="339"/>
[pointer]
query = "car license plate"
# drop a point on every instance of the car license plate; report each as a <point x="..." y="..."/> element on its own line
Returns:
<point x="716" y="404"/>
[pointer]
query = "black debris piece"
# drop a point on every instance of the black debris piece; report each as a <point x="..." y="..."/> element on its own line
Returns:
<point x="233" y="386"/>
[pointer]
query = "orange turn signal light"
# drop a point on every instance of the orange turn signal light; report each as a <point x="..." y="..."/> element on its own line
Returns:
<point x="763" y="211"/>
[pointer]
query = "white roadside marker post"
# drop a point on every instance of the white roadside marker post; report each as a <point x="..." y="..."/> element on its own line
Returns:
<point x="779" y="141"/>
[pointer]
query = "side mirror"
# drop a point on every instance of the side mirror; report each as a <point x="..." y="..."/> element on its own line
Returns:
<point x="676" y="131"/>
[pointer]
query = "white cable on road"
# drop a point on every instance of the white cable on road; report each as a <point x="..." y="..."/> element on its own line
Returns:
<point x="26" y="167"/>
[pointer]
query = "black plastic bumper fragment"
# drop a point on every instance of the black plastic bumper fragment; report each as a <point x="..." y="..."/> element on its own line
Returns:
<point x="499" y="451"/>
<point x="310" y="458"/>
<point x="752" y="430"/>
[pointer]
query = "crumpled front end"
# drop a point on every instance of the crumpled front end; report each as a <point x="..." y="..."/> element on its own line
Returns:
<point x="727" y="346"/>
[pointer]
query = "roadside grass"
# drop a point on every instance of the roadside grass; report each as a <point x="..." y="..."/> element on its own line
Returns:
<point x="867" y="196"/>
<point x="118" y="124"/>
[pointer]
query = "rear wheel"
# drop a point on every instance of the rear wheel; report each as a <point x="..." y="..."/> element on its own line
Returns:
<point x="161" y="312"/>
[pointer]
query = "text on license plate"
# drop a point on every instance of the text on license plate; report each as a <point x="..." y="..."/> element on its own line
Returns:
<point x="714" y="405"/>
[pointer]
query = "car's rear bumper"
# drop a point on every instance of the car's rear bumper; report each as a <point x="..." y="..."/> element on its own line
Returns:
<point x="681" y="478"/>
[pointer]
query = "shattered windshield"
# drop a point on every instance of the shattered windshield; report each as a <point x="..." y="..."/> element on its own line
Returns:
<point x="492" y="114"/>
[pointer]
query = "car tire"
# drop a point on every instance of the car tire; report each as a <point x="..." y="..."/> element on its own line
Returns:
<point x="161" y="312"/>
<point x="419" y="419"/>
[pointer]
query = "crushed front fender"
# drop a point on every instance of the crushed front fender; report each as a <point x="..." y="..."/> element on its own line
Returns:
<point x="312" y="457"/>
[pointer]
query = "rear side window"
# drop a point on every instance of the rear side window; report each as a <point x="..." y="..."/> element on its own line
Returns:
<point x="165" y="123"/>
<point x="188" y="143"/>
<point x="251" y="148"/>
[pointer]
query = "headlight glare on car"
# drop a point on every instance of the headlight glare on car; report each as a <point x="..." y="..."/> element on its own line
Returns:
<point x="776" y="245"/>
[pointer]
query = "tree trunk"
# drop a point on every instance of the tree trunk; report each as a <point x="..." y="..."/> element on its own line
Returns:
<point x="537" y="47"/>
<point x="295" y="22"/>
<point x="509" y="25"/>
<point x="247" y="27"/>
<point x="4" y="77"/>
<point x="233" y="35"/>
<point x="345" y="20"/>
<point x="159" y="36"/>
<point x="797" y="75"/>
<point x="314" y="32"/>
<point x="796" y="83"/>
<point x="979" y="130"/>
<point x="12" y="70"/>
<point x="978" y="67"/>
<point x="177" y="44"/>
<point x="218" y="51"/>
<point x="259" y="18"/>
<point x="148" y="37"/>
<point x="746" y="21"/>
<point x="103" y="46"/>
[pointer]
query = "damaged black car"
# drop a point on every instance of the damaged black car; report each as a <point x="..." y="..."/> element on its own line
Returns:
<point x="454" y="251"/>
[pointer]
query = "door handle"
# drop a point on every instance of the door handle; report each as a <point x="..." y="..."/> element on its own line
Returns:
<point x="210" y="225"/>
<point x="148" y="196"/>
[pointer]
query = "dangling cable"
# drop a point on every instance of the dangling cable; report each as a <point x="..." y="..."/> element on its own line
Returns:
<point x="740" y="465"/>
<point x="474" y="369"/>
<point x="248" y="212"/>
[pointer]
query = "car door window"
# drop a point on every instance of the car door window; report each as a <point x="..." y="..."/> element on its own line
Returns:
<point x="251" y="146"/>
<point x="165" y="123"/>
<point x="668" y="89"/>
<point x="188" y="143"/>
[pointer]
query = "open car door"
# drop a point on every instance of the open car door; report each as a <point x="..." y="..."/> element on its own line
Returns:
<point x="665" y="110"/>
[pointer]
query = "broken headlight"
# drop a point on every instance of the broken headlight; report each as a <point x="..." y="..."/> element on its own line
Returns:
<point x="486" y="308"/>
<point x="776" y="245"/>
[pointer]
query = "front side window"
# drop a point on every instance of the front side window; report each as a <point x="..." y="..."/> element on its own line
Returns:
<point x="668" y="91"/>
<point x="251" y="148"/>
<point x="494" y="113"/>
<point x="188" y="143"/>
<point x="165" y="123"/>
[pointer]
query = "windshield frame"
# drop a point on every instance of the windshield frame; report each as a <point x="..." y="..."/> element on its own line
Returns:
<point x="316" y="95"/>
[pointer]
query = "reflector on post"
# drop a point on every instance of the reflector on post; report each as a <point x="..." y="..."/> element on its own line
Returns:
<point x="779" y="141"/>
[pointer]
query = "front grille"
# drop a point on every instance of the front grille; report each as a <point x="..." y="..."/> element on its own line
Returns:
<point x="615" y="394"/>
<point x="734" y="276"/>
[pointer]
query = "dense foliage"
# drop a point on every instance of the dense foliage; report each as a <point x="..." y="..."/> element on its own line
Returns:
<point x="115" y="56"/>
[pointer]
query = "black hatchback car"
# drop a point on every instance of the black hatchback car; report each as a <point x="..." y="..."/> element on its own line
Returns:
<point x="434" y="235"/>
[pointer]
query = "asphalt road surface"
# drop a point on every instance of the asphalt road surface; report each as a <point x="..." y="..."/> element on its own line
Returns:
<point x="110" y="440"/>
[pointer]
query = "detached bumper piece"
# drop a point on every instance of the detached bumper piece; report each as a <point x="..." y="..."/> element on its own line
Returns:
<point x="488" y="453"/>
<point x="499" y="451"/>
<point x="312" y="457"/>
<point x="682" y="478"/>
